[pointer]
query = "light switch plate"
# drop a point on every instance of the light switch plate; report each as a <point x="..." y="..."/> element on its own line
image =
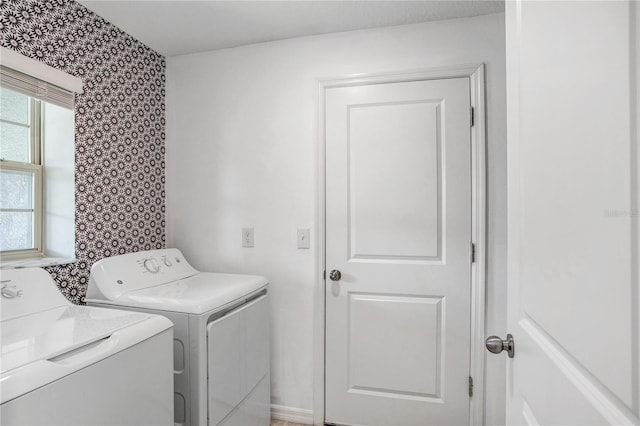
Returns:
<point x="303" y="238"/>
<point x="247" y="237"/>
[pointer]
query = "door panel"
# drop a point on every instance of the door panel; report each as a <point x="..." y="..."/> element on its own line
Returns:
<point x="413" y="345"/>
<point x="225" y="363"/>
<point x="394" y="212"/>
<point x="398" y="227"/>
<point x="238" y="359"/>
<point x="573" y="257"/>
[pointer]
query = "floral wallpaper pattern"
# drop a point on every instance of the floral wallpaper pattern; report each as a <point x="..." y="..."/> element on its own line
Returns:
<point x="120" y="128"/>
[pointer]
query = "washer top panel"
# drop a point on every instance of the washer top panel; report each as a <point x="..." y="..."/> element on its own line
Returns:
<point x="163" y="280"/>
<point x="49" y="334"/>
<point x="198" y="294"/>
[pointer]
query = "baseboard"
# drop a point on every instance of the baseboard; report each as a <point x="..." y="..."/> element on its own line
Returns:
<point x="292" y="414"/>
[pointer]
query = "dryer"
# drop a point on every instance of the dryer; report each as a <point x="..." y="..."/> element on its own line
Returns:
<point x="64" y="364"/>
<point x="221" y="331"/>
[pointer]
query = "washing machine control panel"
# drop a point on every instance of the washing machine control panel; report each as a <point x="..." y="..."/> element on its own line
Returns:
<point x="116" y="275"/>
<point x="154" y="264"/>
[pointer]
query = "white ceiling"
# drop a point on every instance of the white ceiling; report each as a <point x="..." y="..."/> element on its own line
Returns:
<point x="181" y="27"/>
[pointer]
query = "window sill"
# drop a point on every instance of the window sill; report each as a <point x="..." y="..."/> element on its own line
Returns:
<point x="35" y="262"/>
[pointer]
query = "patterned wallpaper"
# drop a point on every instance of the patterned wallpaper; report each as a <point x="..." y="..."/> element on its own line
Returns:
<point x="120" y="128"/>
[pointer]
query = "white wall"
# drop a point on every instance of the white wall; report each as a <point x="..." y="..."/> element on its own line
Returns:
<point x="241" y="152"/>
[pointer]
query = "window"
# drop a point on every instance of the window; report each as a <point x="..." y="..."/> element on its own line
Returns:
<point x="20" y="173"/>
<point x="36" y="168"/>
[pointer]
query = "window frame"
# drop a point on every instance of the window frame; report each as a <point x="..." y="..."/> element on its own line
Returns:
<point x="36" y="133"/>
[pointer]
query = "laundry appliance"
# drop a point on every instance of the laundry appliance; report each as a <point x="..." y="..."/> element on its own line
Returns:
<point x="221" y="331"/>
<point x="64" y="364"/>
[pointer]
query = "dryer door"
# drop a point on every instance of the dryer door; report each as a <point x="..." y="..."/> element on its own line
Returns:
<point x="238" y="345"/>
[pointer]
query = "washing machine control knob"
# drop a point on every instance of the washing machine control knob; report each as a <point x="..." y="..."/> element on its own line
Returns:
<point x="167" y="262"/>
<point x="151" y="265"/>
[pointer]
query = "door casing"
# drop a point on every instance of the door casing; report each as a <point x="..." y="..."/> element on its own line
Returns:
<point x="475" y="73"/>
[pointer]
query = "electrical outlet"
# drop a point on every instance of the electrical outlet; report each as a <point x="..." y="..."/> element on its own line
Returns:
<point x="303" y="238"/>
<point x="247" y="237"/>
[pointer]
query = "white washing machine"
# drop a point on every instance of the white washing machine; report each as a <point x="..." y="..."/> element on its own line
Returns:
<point x="221" y="331"/>
<point x="64" y="364"/>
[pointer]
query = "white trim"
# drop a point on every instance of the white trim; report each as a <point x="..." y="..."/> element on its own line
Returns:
<point x="475" y="73"/>
<point x="14" y="60"/>
<point x="319" y="296"/>
<point x="479" y="238"/>
<point x="291" y="414"/>
<point x="459" y="71"/>
<point x="35" y="262"/>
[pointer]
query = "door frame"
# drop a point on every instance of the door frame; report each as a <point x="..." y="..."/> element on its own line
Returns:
<point x="475" y="73"/>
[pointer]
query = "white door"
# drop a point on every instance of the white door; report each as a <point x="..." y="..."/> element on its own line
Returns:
<point x="398" y="228"/>
<point x="573" y="213"/>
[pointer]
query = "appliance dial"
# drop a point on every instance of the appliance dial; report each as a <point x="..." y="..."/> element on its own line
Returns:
<point x="10" y="291"/>
<point x="167" y="261"/>
<point x="151" y="265"/>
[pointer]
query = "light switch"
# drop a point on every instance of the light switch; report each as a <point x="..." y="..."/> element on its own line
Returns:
<point x="303" y="238"/>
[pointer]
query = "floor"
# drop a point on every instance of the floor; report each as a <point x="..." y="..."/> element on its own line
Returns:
<point x="275" y="422"/>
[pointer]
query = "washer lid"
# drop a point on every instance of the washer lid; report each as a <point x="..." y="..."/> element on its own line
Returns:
<point x="200" y="293"/>
<point x="52" y="333"/>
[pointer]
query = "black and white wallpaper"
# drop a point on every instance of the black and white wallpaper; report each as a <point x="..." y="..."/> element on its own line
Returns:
<point x="120" y="128"/>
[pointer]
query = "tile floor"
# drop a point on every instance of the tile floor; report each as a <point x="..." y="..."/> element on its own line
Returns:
<point x="275" y="422"/>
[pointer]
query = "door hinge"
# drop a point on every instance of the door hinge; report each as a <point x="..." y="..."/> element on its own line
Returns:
<point x="470" y="386"/>
<point x="473" y="116"/>
<point x="473" y="253"/>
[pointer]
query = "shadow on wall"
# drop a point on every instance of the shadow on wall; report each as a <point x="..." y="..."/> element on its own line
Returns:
<point x="120" y="128"/>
